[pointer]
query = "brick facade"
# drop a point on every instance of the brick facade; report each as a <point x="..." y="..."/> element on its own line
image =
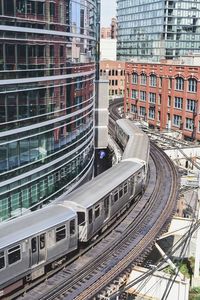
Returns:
<point x="114" y="71"/>
<point x="166" y="95"/>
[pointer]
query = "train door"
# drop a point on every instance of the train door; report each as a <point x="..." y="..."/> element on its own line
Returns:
<point x="132" y="186"/>
<point x="106" y="206"/>
<point x="38" y="249"/>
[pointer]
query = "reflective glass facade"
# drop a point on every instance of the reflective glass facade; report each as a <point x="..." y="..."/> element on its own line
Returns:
<point x="157" y="30"/>
<point x="48" y="54"/>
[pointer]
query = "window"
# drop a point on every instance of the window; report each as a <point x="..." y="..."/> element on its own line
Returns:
<point x="15" y="201"/>
<point x="14" y="255"/>
<point x="33" y="245"/>
<point x="135" y="78"/>
<point x="142" y="111"/>
<point x="41" y="50"/>
<point x="191" y="105"/>
<point x="4" y="209"/>
<point x="9" y="7"/>
<point x="152" y="113"/>
<point x="133" y="108"/>
<point x="169" y="101"/>
<point x="90" y="216"/>
<point x="143" y="79"/>
<point x="170" y="83"/>
<point x="179" y="83"/>
<point x="153" y="79"/>
<point x="177" y="120"/>
<point x="42" y="241"/>
<point x="159" y="115"/>
<point x="125" y="188"/>
<point x="31" y="7"/>
<point x="189" y="124"/>
<point x="120" y="192"/>
<point x="142" y="95"/>
<point x="116" y="196"/>
<point x="72" y="228"/>
<point x="60" y="233"/>
<point x="134" y="94"/>
<point x="152" y="97"/>
<point x="52" y="9"/>
<point x="139" y="175"/>
<point x="51" y="50"/>
<point x="178" y="102"/>
<point x="97" y="211"/>
<point x="160" y="82"/>
<point x="40" y="8"/>
<point x="192" y="85"/>
<point x="2" y="260"/>
<point x="159" y="99"/>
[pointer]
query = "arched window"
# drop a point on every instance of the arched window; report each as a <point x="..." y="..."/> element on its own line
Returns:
<point x="192" y="85"/>
<point x="153" y="80"/>
<point x="179" y="83"/>
<point x="143" y="79"/>
<point x="135" y="78"/>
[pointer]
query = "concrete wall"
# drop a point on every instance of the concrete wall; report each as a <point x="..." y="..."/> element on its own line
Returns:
<point x="101" y="114"/>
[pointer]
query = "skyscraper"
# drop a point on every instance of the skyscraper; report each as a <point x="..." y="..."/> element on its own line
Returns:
<point x="163" y="29"/>
<point x="47" y="69"/>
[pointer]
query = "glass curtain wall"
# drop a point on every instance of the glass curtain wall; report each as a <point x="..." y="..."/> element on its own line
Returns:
<point x="155" y="30"/>
<point x="47" y="72"/>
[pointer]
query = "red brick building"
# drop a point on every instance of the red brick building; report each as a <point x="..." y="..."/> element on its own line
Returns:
<point x="114" y="71"/>
<point x="165" y="94"/>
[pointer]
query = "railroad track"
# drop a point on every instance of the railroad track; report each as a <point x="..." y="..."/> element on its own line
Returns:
<point x="128" y="244"/>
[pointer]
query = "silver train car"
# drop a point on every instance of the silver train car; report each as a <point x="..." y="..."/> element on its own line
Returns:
<point x="105" y="197"/>
<point x="133" y="140"/>
<point x="37" y="242"/>
<point x="30" y="242"/>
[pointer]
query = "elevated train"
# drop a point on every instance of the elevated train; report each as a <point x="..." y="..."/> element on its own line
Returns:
<point x="35" y="243"/>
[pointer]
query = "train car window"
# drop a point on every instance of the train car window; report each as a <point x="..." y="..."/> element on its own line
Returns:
<point x="72" y="227"/>
<point x="90" y="216"/>
<point x="116" y="196"/>
<point x="120" y="192"/>
<point x="81" y="218"/>
<point x="125" y="188"/>
<point x="14" y="254"/>
<point x="42" y="241"/>
<point x="60" y="233"/>
<point x="2" y="260"/>
<point x="97" y="211"/>
<point x="34" y="245"/>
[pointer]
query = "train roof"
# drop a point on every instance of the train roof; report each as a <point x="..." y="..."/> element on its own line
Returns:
<point x="33" y="223"/>
<point x="137" y="147"/>
<point x="138" y="143"/>
<point x="129" y="127"/>
<point x="91" y="192"/>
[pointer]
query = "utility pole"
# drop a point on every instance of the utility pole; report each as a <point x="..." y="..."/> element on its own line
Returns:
<point x="196" y="277"/>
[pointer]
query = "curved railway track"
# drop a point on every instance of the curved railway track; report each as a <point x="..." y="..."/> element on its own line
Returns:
<point x="125" y="246"/>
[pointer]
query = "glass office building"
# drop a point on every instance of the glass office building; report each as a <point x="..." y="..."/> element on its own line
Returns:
<point x="48" y="53"/>
<point x="157" y="30"/>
